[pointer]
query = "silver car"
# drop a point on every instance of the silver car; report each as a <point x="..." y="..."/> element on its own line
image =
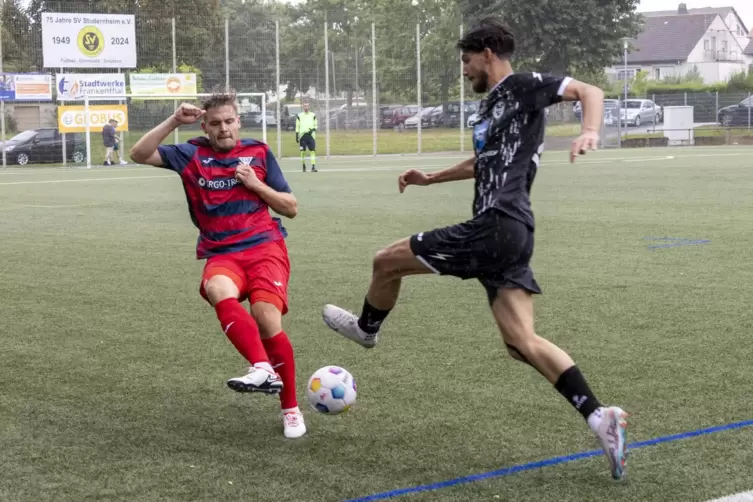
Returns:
<point x="640" y="111"/>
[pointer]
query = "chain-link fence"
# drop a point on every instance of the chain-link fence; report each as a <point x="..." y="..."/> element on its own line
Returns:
<point x="390" y="86"/>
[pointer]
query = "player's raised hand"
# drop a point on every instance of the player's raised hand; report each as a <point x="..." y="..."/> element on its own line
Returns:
<point x="412" y="177"/>
<point x="188" y="114"/>
<point x="588" y="140"/>
<point x="246" y="175"/>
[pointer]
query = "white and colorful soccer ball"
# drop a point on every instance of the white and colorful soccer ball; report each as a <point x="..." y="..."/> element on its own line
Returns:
<point x="331" y="390"/>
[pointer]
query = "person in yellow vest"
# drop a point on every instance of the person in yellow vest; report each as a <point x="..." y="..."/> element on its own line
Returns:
<point x="305" y="135"/>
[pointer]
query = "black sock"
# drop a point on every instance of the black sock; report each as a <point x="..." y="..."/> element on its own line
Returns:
<point x="573" y="386"/>
<point x="371" y="317"/>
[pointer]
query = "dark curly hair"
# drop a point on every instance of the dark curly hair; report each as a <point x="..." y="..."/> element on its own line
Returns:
<point x="492" y="34"/>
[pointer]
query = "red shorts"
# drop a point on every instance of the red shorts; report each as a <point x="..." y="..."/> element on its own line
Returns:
<point x="261" y="273"/>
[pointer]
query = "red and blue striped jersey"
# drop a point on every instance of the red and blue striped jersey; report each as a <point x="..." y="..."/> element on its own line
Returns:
<point x="229" y="216"/>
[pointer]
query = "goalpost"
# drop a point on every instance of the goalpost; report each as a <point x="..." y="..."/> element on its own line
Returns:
<point x="138" y="114"/>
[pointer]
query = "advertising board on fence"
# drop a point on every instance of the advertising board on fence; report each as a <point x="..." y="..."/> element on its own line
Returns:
<point x="73" y="87"/>
<point x="72" y="118"/>
<point x="88" y="40"/>
<point x="25" y="87"/>
<point x="144" y="85"/>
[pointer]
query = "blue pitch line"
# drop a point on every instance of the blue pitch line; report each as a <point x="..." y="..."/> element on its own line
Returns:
<point x="547" y="463"/>
<point x="674" y="242"/>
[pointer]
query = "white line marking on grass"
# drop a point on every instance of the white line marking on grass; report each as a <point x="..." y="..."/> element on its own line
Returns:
<point x="380" y="168"/>
<point x="737" y="497"/>
<point x="37" y="206"/>
<point x="86" y="180"/>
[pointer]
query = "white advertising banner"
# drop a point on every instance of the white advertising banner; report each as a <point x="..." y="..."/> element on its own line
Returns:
<point x="88" y="40"/>
<point x="98" y="86"/>
<point x="147" y="84"/>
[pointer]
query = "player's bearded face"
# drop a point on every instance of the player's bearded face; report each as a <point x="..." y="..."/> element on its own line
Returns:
<point x="222" y="126"/>
<point x="474" y="69"/>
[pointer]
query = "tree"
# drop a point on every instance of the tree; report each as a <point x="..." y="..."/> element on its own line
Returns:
<point x="198" y="28"/>
<point x="562" y="36"/>
<point x="16" y="31"/>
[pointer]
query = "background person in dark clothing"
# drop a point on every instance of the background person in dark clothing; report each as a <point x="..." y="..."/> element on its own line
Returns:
<point x="111" y="142"/>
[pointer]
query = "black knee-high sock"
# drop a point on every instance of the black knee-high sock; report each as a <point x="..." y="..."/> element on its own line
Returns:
<point x="371" y="318"/>
<point x="572" y="385"/>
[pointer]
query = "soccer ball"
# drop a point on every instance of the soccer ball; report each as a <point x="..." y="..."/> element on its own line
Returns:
<point x="331" y="390"/>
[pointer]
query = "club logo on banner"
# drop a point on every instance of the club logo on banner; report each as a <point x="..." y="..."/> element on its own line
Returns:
<point x="25" y="87"/>
<point x="88" y="40"/>
<point x="73" y="87"/>
<point x="73" y="118"/>
<point x="149" y="84"/>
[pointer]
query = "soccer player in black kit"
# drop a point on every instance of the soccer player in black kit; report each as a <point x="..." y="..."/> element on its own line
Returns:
<point x="496" y="245"/>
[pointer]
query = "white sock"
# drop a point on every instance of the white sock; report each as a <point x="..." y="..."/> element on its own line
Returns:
<point x="594" y="419"/>
<point x="265" y="366"/>
<point x="291" y="410"/>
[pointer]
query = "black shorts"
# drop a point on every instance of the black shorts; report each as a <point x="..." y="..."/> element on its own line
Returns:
<point x="492" y="247"/>
<point x="308" y="142"/>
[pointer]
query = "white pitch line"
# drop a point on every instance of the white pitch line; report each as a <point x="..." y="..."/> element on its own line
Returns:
<point x="737" y="497"/>
<point x="86" y="180"/>
<point x="383" y="168"/>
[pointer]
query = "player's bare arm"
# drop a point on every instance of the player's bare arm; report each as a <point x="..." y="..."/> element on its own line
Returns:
<point x="592" y="101"/>
<point x="280" y="202"/>
<point x="458" y="172"/>
<point x="145" y="149"/>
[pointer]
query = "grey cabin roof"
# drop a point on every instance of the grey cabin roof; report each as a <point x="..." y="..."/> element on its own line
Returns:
<point x="749" y="50"/>
<point x="666" y="39"/>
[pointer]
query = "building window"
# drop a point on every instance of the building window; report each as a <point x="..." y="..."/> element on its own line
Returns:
<point x="706" y="45"/>
<point x="630" y="73"/>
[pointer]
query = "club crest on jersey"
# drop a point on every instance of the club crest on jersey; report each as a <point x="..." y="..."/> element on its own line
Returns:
<point x="499" y="110"/>
<point x="479" y="135"/>
<point x="245" y="160"/>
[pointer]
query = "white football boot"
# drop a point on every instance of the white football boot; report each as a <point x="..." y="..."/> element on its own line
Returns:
<point x="611" y="432"/>
<point x="293" y="424"/>
<point x="257" y="380"/>
<point x="346" y="323"/>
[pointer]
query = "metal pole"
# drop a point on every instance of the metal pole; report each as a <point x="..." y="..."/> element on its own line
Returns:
<point x="277" y="67"/>
<point x="121" y="146"/>
<point x="227" y="56"/>
<point x="357" y="87"/>
<point x="462" y="102"/>
<point x="750" y="105"/>
<point x="264" y="117"/>
<point x="326" y="85"/>
<point x="2" y="102"/>
<point x="65" y="142"/>
<point x="716" y="110"/>
<point x="88" y="133"/>
<point x="176" y="134"/>
<point x="374" y="88"/>
<point x="418" y="83"/>
<point x="626" y="76"/>
<point x="334" y="75"/>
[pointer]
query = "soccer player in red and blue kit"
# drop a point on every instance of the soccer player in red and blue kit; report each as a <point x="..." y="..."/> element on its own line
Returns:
<point x="230" y="185"/>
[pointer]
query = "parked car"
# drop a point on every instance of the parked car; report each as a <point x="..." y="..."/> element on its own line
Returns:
<point x="739" y="114"/>
<point x="450" y="117"/>
<point x="400" y="115"/>
<point x="387" y="116"/>
<point x="254" y="119"/>
<point x="44" y="145"/>
<point x="425" y="116"/>
<point x="640" y="111"/>
<point x="609" y="104"/>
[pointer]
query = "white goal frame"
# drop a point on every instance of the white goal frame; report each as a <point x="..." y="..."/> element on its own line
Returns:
<point x="187" y="97"/>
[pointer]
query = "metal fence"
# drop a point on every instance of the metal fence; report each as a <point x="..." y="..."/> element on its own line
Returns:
<point x="391" y="85"/>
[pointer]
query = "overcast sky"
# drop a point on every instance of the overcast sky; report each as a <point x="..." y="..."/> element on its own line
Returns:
<point x="743" y="7"/>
